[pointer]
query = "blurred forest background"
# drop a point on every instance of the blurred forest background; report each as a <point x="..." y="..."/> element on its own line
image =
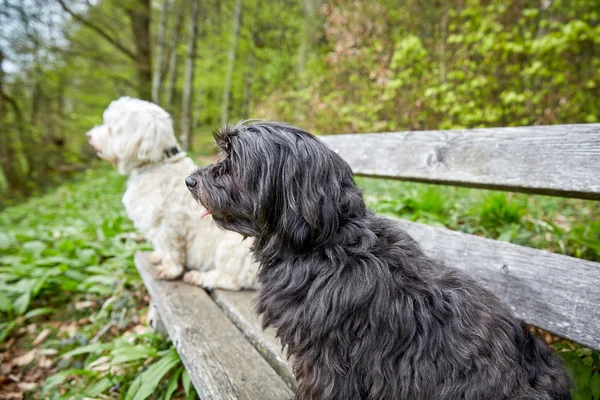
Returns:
<point x="332" y="66"/>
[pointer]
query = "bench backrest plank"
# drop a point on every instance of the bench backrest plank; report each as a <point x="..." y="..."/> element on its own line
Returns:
<point x="551" y="291"/>
<point x="222" y="364"/>
<point x="554" y="292"/>
<point x="561" y="160"/>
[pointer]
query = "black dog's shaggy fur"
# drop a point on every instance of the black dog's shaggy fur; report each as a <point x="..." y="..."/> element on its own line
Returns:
<point x="364" y="313"/>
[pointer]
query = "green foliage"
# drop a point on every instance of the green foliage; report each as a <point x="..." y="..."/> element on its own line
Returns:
<point x="456" y="65"/>
<point x="497" y="213"/>
<point x="584" y="366"/>
<point x="132" y="364"/>
<point x="75" y="246"/>
<point x="346" y="66"/>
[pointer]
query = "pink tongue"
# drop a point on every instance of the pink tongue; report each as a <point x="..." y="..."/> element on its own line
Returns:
<point x="205" y="213"/>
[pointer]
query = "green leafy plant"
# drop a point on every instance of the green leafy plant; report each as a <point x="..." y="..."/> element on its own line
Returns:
<point x="66" y="265"/>
<point x="132" y="365"/>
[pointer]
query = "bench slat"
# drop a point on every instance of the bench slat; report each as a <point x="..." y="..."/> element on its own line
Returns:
<point x="554" y="292"/>
<point x="561" y="160"/>
<point x="551" y="291"/>
<point x="238" y="307"/>
<point x="221" y="363"/>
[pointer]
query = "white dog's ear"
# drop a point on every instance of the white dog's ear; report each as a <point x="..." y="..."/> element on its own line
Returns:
<point x="142" y="132"/>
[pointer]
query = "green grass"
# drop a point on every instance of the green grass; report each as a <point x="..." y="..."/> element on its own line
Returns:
<point x="565" y="226"/>
<point x="66" y="271"/>
<point x="67" y="276"/>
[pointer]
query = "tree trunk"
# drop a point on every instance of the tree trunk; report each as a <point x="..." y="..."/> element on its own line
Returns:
<point x="442" y="44"/>
<point x="19" y="160"/>
<point x="174" y="43"/>
<point x="254" y="40"/>
<point x="188" y="86"/>
<point x="248" y="86"/>
<point x="4" y="159"/>
<point x="140" y="24"/>
<point x="306" y="41"/>
<point x="160" y="49"/>
<point x="172" y="78"/>
<point x="139" y="16"/>
<point x="36" y="98"/>
<point x="231" y="59"/>
<point x="196" y="115"/>
<point x="1" y="86"/>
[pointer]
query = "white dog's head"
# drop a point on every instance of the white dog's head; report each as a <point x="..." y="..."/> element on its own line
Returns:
<point x="135" y="132"/>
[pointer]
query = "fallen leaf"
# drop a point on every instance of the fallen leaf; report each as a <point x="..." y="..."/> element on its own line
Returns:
<point x="42" y="336"/>
<point x="138" y="329"/>
<point x="25" y="358"/>
<point x="5" y="368"/>
<point x="70" y="328"/>
<point x="82" y="305"/>
<point x="27" y="386"/>
<point x="35" y="375"/>
<point x="48" y="352"/>
<point x="11" y="396"/>
<point x="31" y="328"/>
<point x="45" y="362"/>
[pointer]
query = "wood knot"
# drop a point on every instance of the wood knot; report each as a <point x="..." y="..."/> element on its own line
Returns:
<point x="438" y="156"/>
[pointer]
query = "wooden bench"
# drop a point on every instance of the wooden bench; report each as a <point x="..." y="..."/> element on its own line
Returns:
<point x="220" y="339"/>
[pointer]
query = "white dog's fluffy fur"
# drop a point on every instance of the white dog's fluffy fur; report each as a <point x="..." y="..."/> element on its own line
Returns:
<point x="137" y="137"/>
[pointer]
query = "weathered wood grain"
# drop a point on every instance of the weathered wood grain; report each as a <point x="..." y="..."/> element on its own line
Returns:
<point x="154" y="320"/>
<point x="554" y="292"/>
<point x="562" y="160"/>
<point x="238" y="307"/>
<point x="222" y="364"/>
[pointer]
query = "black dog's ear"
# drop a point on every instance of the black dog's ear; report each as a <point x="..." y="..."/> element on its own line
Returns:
<point x="223" y="137"/>
<point x="312" y="195"/>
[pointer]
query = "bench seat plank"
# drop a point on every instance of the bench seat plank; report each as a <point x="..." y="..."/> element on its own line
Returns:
<point x="238" y="307"/>
<point x="222" y="364"/>
<point x="560" y="160"/>
<point x="551" y="291"/>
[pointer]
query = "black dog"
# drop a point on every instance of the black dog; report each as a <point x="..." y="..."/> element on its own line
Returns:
<point x="364" y="313"/>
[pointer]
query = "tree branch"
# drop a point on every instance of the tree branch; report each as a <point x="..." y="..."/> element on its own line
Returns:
<point x="99" y="31"/>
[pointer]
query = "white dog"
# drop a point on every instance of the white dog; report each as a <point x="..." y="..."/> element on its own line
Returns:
<point x="137" y="138"/>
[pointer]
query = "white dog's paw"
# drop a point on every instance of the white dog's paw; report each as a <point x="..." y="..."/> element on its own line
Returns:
<point x="168" y="272"/>
<point x="195" y="278"/>
<point x="154" y="258"/>
<point x="211" y="280"/>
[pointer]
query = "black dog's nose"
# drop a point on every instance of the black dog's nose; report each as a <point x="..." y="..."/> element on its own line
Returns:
<point x="190" y="182"/>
